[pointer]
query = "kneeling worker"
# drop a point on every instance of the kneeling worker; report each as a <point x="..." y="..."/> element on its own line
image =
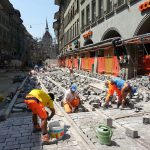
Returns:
<point x="36" y="100"/>
<point x="71" y="100"/>
<point x="122" y="89"/>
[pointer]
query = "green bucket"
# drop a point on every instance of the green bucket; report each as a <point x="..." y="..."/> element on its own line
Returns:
<point x="104" y="134"/>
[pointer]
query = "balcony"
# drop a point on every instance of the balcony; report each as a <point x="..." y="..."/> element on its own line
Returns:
<point x="56" y="15"/>
<point x="56" y="25"/>
<point x="57" y="2"/>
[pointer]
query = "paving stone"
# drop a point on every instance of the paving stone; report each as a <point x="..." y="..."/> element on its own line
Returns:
<point x="26" y="149"/>
<point x="131" y="132"/>
<point x="26" y="134"/>
<point x="2" y="145"/>
<point x="146" y="120"/>
<point x="10" y="147"/>
<point x="47" y="147"/>
<point x="37" y="148"/>
<point x="10" y="139"/>
<point x="27" y="145"/>
<point x="16" y="135"/>
<point x="95" y="105"/>
<point x="24" y="141"/>
<point x="108" y="122"/>
<point x="39" y="143"/>
<point x="73" y="143"/>
<point x="12" y="143"/>
<point x="2" y="140"/>
<point x="22" y="138"/>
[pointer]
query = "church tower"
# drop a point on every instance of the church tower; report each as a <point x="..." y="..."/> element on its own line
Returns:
<point x="47" y="44"/>
<point x="46" y="29"/>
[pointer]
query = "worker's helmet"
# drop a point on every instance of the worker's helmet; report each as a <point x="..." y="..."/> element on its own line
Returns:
<point x="73" y="87"/>
<point x="52" y="96"/>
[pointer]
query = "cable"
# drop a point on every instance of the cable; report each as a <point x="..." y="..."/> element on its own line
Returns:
<point x="36" y="24"/>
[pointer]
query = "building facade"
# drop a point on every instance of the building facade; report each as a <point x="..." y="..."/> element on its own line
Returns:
<point x="14" y="37"/>
<point x="81" y="23"/>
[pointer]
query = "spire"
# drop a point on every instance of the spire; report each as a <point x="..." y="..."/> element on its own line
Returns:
<point x="47" y="29"/>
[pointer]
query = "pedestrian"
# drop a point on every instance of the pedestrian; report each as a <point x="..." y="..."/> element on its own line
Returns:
<point x="122" y="88"/>
<point x="71" y="100"/>
<point x="36" y="100"/>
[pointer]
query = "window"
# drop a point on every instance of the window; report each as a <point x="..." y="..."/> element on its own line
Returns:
<point x="82" y="55"/>
<point x="78" y="27"/>
<point x="120" y="2"/>
<point x="73" y="12"/>
<point x="82" y="1"/>
<point x="101" y="8"/>
<point x="77" y="5"/>
<point x="92" y="54"/>
<point x="93" y="10"/>
<point x="109" y="6"/>
<point x="100" y="53"/>
<point x="82" y="18"/>
<point x="87" y="14"/>
<point x="75" y="28"/>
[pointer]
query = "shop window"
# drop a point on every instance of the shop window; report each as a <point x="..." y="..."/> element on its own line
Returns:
<point x="92" y="54"/>
<point x="82" y="55"/>
<point x="93" y="10"/>
<point x="101" y="53"/>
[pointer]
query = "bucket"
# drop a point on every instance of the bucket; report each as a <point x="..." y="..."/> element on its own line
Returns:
<point x="104" y="134"/>
<point x="56" y="129"/>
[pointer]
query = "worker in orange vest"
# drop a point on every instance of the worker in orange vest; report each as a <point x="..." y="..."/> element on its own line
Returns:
<point x="71" y="100"/>
<point x="122" y="88"/>
<point x="36" y="100"/>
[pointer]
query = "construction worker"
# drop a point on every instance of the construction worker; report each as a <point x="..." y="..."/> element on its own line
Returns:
<point x="36" y="100"/>
<point x="122" y="89"/>
<point x="71" y="100"/>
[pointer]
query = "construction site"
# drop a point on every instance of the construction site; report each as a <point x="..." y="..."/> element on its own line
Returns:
<point x="82" y="83"/>
<point x="127" y="128"/>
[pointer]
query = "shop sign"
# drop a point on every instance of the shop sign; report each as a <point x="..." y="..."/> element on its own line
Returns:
<point x="144" y="6"/>
<point x="88" y="34"/>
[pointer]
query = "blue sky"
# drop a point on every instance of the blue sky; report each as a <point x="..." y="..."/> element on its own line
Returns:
<point x="34" y="13"/>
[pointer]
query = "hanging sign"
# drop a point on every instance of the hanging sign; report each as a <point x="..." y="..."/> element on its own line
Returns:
<point x="144" y="6"/>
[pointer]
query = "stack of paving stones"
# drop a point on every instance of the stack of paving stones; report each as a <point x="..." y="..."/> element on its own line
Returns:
<point x="19" y="105"/>
<point x="139" y="83"/>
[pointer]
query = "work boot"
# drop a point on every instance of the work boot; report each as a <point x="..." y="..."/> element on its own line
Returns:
<point x="45" y="138"/>
<point x="36" y="128"/>
<point x="118" y="104"/>
<point x="123" y="104"/>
